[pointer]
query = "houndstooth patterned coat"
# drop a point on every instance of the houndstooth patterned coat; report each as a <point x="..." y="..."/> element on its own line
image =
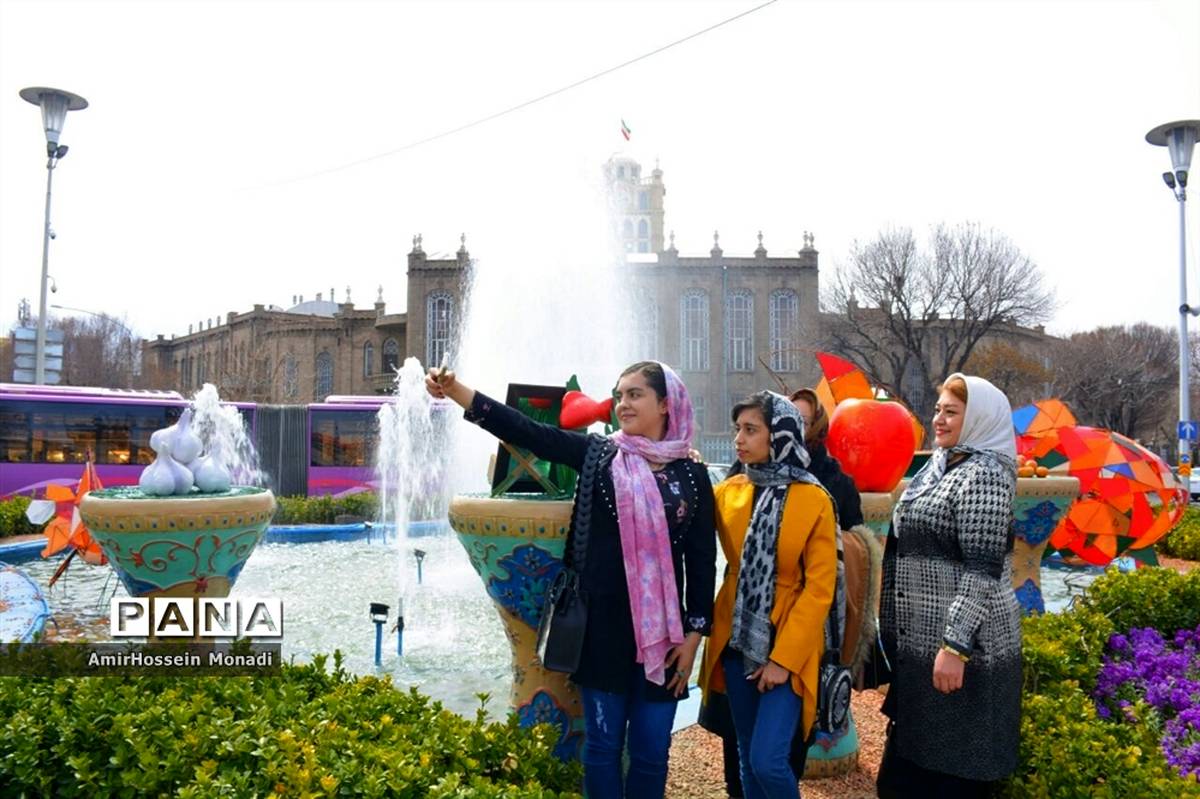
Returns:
<point x="947" y="578"/>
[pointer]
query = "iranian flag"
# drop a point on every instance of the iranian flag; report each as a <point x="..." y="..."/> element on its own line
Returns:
<point x="625" y="131"/>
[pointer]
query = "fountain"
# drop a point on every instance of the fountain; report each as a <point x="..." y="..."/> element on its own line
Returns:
<point x="186" y="530"/>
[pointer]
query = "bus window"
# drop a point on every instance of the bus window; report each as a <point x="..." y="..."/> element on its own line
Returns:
<point x="33" y="431"/>
<point x="14" y="433"/>
<point x="342" y="438"/>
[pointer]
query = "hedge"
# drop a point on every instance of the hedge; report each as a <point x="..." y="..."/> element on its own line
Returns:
<point x="307" y="732"/>
<point x="1184" y="540"/>
<point x="325" y="509"/>
<point x="1066" y="748"/>
<point x="12" y="517"/>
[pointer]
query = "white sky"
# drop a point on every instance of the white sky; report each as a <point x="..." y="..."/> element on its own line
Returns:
<point x="178" y="200"/>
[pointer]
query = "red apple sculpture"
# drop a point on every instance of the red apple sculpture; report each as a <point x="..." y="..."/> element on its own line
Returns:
<point x="873" y="441"/>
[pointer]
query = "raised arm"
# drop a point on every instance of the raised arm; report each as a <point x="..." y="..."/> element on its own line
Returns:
<point x="508" y="424"/>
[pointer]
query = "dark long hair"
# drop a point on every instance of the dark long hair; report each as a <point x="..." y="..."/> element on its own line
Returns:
<point x="653" y="372"/>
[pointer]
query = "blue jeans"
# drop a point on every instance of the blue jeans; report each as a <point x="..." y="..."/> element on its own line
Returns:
<point x="765" y="724"/>
<point x="608" y="718"/>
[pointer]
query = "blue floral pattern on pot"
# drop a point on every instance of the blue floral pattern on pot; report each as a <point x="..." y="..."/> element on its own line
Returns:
<point x="530" y="570"/>
<point x="1035" y="524"/>
<point x="1030" y="598"/>
<point x="542" y="709"/>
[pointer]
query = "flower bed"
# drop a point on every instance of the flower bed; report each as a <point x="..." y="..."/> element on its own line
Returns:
<point x="1165" y="676"/>
<point x="1068" y="747"/>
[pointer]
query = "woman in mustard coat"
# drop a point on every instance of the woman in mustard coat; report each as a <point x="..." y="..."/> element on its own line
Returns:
<point x="777" y="528"/>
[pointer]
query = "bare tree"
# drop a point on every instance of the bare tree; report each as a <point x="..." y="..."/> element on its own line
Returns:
<point x="1022" y="377"/>
<point x="98" y="350"/>
<point x="1121" y="378"/>
<point x="911" y="315"/>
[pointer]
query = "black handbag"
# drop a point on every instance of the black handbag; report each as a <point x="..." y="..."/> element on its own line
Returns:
<point x="564" y="621"/>
<point x="564" y="615"/>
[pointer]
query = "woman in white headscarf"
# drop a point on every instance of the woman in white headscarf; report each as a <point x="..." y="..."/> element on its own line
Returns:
<point x="949" y="620"/>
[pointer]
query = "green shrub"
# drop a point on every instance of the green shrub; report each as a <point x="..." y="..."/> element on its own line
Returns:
<point x="12" y="517"/>
<point x="1066" y="749"/>
<point x="1184" y="540"/>
<point x="306" y="732"/>
<point x="325" y="509"/>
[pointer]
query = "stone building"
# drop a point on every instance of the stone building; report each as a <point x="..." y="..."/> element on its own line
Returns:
<point x="726" y="322"/>
<point x="319" y="347"/>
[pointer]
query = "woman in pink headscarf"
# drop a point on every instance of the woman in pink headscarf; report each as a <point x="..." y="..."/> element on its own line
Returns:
<point x="649" y="567"/>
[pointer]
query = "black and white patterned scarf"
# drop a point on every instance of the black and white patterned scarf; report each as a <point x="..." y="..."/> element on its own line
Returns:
<point x="755" y="597"/>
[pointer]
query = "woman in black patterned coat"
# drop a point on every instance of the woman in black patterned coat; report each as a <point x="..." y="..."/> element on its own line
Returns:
<point x="949" y="619"/>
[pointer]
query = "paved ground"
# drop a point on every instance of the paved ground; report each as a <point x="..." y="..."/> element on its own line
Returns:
<point x="695" y="771"/>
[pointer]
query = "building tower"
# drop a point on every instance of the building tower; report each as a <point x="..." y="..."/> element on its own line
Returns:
<point x="636" y="204"/>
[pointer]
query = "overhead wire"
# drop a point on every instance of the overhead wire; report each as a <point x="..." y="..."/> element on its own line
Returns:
<point x="527" y="103"/>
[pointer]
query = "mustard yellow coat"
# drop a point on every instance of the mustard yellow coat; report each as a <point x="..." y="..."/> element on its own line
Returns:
<point x="808" y="531"/>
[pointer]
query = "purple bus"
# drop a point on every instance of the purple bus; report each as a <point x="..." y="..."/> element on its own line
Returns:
<point x="343" y="432"/>
<point x="46" y="433"/>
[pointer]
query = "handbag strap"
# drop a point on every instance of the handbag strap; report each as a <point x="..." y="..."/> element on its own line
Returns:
<point x="575" y="553"/>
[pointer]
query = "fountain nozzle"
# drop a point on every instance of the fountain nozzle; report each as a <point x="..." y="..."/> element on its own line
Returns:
<point x="419" y="554"/>
<point x="379" y="615"/>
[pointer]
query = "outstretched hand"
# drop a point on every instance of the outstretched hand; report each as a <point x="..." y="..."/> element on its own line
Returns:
<point x="444" y="384"/>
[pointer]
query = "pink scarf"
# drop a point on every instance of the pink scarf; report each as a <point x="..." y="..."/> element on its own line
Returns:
<point x="645" y="541"/>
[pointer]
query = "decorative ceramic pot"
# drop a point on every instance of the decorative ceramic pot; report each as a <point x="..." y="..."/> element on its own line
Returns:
<point x="1037" y="508"/>
<point x="516" y="546"/>
<point x="193" y="545"/>
<point x="877" y="508"/>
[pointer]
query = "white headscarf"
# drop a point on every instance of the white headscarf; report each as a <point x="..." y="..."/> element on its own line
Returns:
<point x="988" y="424"/>
<point x="987" y="430"/>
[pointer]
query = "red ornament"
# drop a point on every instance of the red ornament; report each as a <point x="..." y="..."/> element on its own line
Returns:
<point x="580" y="410"/>
<point x="873" y="442"/>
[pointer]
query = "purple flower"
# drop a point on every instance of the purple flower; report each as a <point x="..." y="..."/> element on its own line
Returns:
<point x="1166" y="676"/>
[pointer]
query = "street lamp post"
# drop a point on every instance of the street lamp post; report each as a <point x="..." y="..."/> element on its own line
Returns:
<point x="55" y="104"/>
<point x="1180" y="139"/>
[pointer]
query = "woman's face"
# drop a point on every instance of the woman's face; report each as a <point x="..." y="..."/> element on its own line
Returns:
<point x="640" y="411"/>
<point x="751" y="438"/>
<point x="806" y="411"/>
<point x="948" y="417"/>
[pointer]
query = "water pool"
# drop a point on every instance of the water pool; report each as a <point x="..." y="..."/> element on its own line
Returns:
<point x="454" y="644"/>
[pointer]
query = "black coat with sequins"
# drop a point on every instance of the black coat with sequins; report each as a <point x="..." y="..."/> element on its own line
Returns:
<point x="609" y="655"/>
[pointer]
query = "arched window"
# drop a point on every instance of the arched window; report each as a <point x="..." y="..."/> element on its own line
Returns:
<point x="693" y="330"/>
<point x="324" y="386"/>
<point x="643" y="201"/>
<point x="291" y="377"/>
<point x="368" y="358"/>
<point x="439" y="316"/>
<point x="646" y="326"/>
<point x="739" y="349"/>
<point x="391" y="355"/>
<point x="785" y="324"/>
<point x="643" y="229"/>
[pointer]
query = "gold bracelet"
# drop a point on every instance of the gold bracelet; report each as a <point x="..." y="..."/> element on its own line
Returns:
<point x="956" y="653"/>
